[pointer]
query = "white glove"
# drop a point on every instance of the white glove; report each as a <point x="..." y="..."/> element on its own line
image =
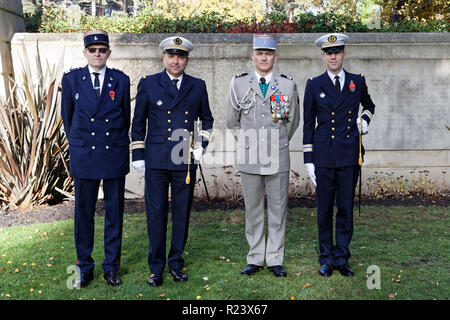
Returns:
<point x="364" y="125"/>
<point x="310" y="168"/>
<point x="138" y="165"/>
<point x="197" y="152"/>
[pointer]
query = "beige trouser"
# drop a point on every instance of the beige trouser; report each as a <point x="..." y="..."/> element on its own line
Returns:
<point x="254" y="187"/>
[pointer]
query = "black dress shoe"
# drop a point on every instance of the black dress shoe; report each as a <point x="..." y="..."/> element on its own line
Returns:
<point x="83" y="281"/>
<point x="155" y="279"/>
<point x="251" y="269"/>
<point x="178" y="275"/>
<point x="278" y="271"/>
<point x="111" y="278"/>
<point x="345" y="270"/>
<point x="326" y="270"/>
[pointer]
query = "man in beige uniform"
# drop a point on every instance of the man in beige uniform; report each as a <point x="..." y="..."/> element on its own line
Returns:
<point x="263" y="112"/>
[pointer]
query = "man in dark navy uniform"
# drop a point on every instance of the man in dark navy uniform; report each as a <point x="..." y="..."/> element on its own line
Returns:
<point x="168" y="105"/>
<point x="95" y="108"/>
<point x="331" y="149"/>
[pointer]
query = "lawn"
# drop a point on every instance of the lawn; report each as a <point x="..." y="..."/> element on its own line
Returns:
<point x="410" y="245"/>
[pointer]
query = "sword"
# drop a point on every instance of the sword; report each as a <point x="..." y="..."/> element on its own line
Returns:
<point x="188" y="177"/>
<point x="360" y="162"/>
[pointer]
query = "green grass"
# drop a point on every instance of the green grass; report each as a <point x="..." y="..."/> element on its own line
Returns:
<point x="409" y="244"/>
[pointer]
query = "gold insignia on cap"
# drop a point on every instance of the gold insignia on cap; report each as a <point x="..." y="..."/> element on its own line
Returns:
<point x="177" y="41"/>
<point x="332" y="39"/>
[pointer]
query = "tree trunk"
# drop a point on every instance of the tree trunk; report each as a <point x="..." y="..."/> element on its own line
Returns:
<point x="93" y="6"/>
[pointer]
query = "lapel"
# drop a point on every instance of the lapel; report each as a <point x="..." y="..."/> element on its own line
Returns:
<point x="328" y="87"/>
<point x="345" y="90"/>
<point x="87" y="91"/>
<point x="109" y="84"/>
<point x="185" y="87"/>
<point x="168" y="87"/>
<point x="255" y="85"/>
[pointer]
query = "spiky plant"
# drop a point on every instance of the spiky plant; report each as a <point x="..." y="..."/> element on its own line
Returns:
<point x="33" y="146"/>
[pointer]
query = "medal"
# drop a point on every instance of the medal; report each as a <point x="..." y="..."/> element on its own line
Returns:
<point x="112" y="94"/>
<point x="352" y="86"/>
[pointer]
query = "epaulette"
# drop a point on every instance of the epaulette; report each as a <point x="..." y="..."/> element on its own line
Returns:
<point x="285" y="76"/>
<point x="72" y="70"/>
<point x="120" y="71"/>
<point x="241" y="75"/>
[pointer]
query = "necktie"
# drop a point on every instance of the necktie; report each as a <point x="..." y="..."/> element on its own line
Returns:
<point x="337" y="84"/>
<point x="97" y="84"/>
<point x="263" y="85"/>
<point x="175" y="81"/>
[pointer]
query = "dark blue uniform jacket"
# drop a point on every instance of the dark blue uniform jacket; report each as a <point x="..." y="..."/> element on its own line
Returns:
<point x="97" y="128"/>
<point x="164" y="117"/>
<point x="334" y="142"/>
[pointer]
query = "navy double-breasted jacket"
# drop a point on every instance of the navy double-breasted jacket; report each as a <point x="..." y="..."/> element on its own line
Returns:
<point x="334" y="142"/>
<point x="164" y="117"/>
<point x="97" y="128"/>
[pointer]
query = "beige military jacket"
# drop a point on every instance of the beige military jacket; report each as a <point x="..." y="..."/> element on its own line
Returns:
<point x="263" y="125"/>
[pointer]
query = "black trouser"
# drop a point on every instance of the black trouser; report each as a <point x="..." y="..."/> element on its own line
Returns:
<point x="335" y="183"/>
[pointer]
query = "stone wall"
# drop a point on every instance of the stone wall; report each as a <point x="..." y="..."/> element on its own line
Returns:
<point x="408" y="75"/>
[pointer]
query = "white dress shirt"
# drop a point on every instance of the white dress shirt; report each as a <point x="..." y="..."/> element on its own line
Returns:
<point x="341" y="77"/>
<point x="101" y="76"/>
<point x="180" y="78"/>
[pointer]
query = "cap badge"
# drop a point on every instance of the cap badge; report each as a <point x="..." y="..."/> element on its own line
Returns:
<point x="95" y="38"/>
<point x="177" y="41"/>
<point x="332" y="39"/>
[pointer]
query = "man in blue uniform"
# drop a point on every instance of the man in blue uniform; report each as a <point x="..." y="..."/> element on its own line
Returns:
<point x="331" y="149"/>
<point x="168" y="105"/>
<point x="95" y="108"/>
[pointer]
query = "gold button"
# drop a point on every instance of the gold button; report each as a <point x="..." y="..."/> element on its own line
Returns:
<point x="93" y="133"/>
<point x="169" y="138"/>
<point x="107" y="147"/>
<point x="349" y="112"/>
<point x="92" y="120"/>
<point x="107" y="133"/>
<point x="186" y="112"/>
<point x="169" y="129"/>
<point x="332" y="137"/>
<point x="168" y="112"/>
<point x="185" y="121"/>
<point x="93" y="147"/>
<point x="107" y="120"/>
<point x="348" y="136"/>
<point x="169" y="121"/>
<point x="332" y="113"/>
<point x="349" y="120"/>
<point x="185" y="130"/>
<point x="332" y="121"/>
<point x="332" y="129"/>
<point x="348" y="128"/>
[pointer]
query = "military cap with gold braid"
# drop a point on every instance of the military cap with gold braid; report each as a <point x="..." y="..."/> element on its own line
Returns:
<point x="332" y="42"/>
<point x="178" y="45"/>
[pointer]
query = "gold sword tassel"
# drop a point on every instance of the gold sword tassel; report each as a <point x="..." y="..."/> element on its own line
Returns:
<point x="188" y="176"/>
